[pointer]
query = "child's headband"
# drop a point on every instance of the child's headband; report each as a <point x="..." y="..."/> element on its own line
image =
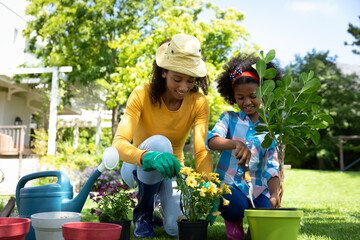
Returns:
<point x="239" y="73"/>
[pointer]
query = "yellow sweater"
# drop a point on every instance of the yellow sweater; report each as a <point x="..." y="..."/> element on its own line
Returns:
<point x="142" y="120"/>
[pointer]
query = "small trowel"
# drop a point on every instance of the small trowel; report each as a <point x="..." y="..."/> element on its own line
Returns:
<point x="247" y="178"/>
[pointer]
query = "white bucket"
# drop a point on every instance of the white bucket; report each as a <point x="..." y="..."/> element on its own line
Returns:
<point x="48" y="225"/>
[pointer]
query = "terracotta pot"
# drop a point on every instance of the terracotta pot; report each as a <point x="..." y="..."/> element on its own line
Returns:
<point x="192" y="230"/>
<point x="91" y="231"/>
<point x="126" y="226"/>
<point x="12" y="228"/>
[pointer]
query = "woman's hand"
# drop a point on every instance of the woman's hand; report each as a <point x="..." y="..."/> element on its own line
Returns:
<point x="166" y="163"/>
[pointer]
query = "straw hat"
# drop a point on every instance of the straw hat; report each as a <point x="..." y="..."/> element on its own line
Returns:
<point x="182" y="54"/>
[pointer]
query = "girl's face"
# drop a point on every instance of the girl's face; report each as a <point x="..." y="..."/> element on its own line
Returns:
<point x="246" y="98"/>
<point x="177" y="84"/>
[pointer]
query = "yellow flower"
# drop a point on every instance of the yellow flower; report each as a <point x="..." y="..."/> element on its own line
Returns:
<point x="186" y="170"/>
<point x="225" y="188"/>
<point x="212" y="189"/>
<point x="202" y="191"/>
<point x="191" y="181"/>
<point x="214" y="177"/>
<point x="216" y="213"/>
<point x="226" y="202"/>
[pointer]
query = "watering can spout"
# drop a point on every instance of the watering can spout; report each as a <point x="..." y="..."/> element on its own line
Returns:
<point x="110" y="159"/>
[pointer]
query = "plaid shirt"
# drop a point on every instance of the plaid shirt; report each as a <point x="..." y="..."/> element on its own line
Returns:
<point x="263" y="164"/>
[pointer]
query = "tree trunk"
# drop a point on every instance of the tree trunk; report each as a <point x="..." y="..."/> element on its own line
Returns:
<point x="281" y="157"/>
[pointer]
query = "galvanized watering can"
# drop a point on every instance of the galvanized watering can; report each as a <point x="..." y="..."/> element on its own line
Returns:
<point x="58" y="196"/>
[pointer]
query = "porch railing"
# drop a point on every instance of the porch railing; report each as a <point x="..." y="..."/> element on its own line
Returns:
<point x="12" y="141"/>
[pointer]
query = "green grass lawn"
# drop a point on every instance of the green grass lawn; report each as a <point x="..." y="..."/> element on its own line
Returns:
<point x="330" y="201"/>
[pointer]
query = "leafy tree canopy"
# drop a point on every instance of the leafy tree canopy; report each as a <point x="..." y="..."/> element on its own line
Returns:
<point x="340" y="99"/>
<point x="112" y="42"/>
<point x="355" y="31"/>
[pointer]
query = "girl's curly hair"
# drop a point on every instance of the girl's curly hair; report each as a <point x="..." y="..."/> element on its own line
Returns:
<point x="158" y="83"/>
<point x="245" y="61"/>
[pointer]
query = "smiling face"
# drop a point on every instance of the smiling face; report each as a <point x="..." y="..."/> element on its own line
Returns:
<point x="246" y="99"/>
<point x="177" y="84"/>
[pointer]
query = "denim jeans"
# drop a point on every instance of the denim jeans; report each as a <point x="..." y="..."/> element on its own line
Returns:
<point x="169" y="197"/>
<point x="234" y="212"/>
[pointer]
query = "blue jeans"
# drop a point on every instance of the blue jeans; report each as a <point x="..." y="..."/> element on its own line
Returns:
<point x="169" y="197"/>
<point x="234" y="212"/>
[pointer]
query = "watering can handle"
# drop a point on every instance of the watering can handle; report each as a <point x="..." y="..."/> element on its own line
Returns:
<point x="61" y="176"/>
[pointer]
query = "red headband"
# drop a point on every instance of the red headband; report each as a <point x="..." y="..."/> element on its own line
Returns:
<point x="239" y="73"/>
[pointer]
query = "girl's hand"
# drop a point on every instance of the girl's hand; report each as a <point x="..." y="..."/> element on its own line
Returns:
<point x="274" y="201"/>
<point x="274" y="185"/>
<point x="242" y="153"/>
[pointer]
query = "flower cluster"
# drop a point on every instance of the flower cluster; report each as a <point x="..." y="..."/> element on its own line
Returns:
<point x="199" y="193"/>
<point x="112" y="176"/>
<point x="114" y="202"/>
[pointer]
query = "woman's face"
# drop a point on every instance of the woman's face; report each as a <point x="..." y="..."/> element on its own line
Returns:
<point x="246" y="98"/>
<point x="177" y="84"/>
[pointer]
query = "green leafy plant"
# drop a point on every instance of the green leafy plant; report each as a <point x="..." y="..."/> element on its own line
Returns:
<point x="290" y="111"/>
<point x="39" y="144"/>
<point x="199" y="192"/>
<point x="114" y="202"/>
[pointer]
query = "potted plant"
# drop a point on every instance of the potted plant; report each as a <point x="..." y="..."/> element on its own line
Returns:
<point x="200" y="194"/>
<point x="290" y="116"/>
<point x="114" y="205"/>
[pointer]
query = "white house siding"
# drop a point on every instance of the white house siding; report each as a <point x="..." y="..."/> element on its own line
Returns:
<point x="10" y="169"/>
<point x="16" y="108"/>
<point x="2" y="107"/>
<point x="12" y="23"/>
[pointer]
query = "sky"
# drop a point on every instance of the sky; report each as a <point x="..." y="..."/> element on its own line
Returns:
<point x="293" y="26"/>
<point x="298" y="26"/>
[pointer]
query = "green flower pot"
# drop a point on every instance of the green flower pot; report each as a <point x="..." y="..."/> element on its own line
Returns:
<point x="274" y="223"/>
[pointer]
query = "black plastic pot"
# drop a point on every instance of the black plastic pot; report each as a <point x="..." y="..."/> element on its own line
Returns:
<point x="126" y="225"/>
<point x="192" y="230"/>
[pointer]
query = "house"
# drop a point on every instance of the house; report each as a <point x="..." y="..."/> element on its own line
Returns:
<point x="21" y="103"/>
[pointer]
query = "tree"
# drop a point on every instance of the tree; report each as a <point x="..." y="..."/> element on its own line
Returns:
<point x="340" y="99"/>
<point x="290" y="111"/>
<point x="355" y="31"/>
<point x="77" y="33"/>
<point x="112" y="42"/>
<point x="220" y="39"/>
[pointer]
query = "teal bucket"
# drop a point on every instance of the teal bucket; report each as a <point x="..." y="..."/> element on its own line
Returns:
<point x="274" y="223"/>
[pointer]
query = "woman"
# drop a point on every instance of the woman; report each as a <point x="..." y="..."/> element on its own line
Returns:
<point x="152" y="132"/>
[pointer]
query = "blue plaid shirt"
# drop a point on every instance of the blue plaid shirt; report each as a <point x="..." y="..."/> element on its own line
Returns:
<point x="263" y="164"/>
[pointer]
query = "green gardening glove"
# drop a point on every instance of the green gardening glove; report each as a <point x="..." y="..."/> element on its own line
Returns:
<point x="165" y="163"/>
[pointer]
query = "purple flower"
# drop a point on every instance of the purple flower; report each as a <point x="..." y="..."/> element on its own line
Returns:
<point x="98" y="212"/>
<point x="91" y="195"/>
<point x="133" y="195"/>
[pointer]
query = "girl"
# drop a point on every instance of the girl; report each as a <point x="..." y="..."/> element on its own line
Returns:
<point x="152" y="132"/>
<point x="234" y="135"/>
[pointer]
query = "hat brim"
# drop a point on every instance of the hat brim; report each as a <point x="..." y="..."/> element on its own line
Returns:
<point x="195" y="71"/>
